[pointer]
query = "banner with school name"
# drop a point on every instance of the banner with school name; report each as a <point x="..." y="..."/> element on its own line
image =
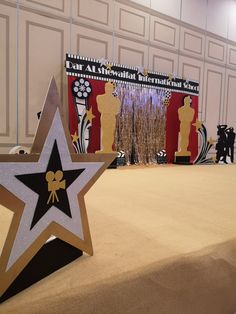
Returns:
<point x="102" y="69"/>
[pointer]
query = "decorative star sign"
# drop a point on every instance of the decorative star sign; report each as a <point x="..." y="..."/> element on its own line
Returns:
<point x="170" y="77"/>
<point x="145" y="72"/>
<point x="174" y="76"/>
<point x="45" y="190"/>
<point x="211" y="141"/>
<point x="197" y="124"/>
<point x="140" y="69"/>
<point x="75" y="137"/>
<point x="102" y="61"/>
<point x="108" y="66"/>
<point x="89" y="115"/>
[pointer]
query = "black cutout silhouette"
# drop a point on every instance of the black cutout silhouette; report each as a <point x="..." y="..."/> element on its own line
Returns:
<point x="225" y="143"/>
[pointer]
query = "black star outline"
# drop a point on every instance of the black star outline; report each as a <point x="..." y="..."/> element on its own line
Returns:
<point x="37" y="182"/>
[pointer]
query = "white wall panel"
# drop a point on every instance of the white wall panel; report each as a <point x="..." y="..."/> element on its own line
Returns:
<point x="217" y="16"/>
<point x="213" y="98"/>
<point x="163" y="61"/>
<point x="168" y="7"/>
<point x="93" y="11"/>
<point x="8" y="81"/>
<point x="47" y="32"/>
<point x="192" y="42"/>
<point x="232" y="21"/>
<point x="231" y="60"/>
<point x="130" y="21"/>
<point x="91" y="47"/>
<point x="194" y="12"/>
<point x="4" y="75"/>
<point x="215" y="50"/>
<point x="43" y="44"/>
<point x="131" y="53"/>
<point x="53" y="6"/>
<point x="142" y="2"/>
<point x="91" y="43"/>
<point x="164" y="33"/>
<point x="230" y="110"/>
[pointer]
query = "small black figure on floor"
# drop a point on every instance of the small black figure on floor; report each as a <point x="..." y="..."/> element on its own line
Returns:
<point x="225" y="144"/>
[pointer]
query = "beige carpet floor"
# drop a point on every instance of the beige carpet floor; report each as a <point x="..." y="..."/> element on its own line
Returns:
<point x="164" y="241"/>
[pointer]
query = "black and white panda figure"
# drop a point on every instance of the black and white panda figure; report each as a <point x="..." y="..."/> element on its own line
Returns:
<point x="81" y="89"/>
<point x="161" y="157"/>
<point x="20" y="150"/>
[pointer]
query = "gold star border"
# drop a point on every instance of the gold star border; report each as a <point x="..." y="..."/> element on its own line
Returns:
<point x="10" y="201"/>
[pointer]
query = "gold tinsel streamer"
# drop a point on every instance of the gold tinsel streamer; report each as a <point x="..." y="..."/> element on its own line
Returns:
<point x="140" y="130"/>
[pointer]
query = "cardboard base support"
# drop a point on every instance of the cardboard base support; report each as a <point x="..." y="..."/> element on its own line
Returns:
<point x="182" y="160"/>
<point x="52" y="256"/>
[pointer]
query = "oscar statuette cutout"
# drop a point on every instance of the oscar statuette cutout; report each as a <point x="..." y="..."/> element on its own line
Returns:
<point x="186" y="115"/>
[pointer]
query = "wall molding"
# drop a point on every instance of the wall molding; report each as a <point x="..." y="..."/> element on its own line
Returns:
<point x="210" y="42"/>
<point x="163" y="58"/>
<point x="7" y="130"/>
<point x="131" y="5"/>
<point x="94" y="20"/>
<point x="140" y="16"/>
<point x="130" y="38"/>
<point x="206" y="96"/>
<point x="162" y="41"/>
<point x="49" y="6"/>
<point x="227" y="97"/>
<point x="61" y="32"/>
<point x="221" y="60"/>
<point x="192" y="50"/>
<point x="192" y="66"/>
<point x="174" y="20"/>
<point x="95" y="40"/>
<point x="119" y="35"/>
<point x="120" y="47"/>
<point x="230" y="50"/>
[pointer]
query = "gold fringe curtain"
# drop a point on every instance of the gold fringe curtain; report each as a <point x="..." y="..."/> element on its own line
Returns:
<point x="140" y="130"/>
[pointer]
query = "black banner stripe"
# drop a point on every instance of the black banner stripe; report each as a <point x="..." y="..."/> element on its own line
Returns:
<point x="91" y="68"/>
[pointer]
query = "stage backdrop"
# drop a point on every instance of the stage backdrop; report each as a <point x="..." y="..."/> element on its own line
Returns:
<point x="172" y="126"/>
<point x="148" y="118"/>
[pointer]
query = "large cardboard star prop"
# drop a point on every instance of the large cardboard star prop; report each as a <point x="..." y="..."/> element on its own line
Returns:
<point x="45" y="190"/>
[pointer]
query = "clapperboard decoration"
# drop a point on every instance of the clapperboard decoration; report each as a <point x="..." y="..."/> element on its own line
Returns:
<point x="161" y="157"/>
<point x="121" y="158"/>
<point x="45" y="191"/>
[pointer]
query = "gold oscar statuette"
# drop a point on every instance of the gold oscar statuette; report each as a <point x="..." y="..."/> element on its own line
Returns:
<point x="109" y="107"/>
<point x="186" y="114"/>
